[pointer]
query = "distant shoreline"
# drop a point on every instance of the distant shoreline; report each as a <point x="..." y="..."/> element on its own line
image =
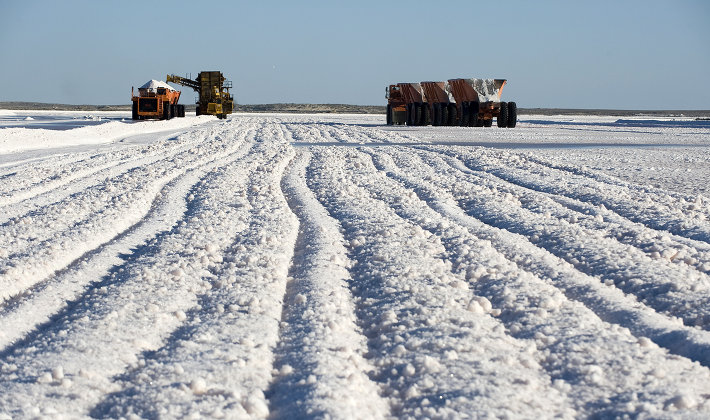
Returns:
<point x="355" y="109"/>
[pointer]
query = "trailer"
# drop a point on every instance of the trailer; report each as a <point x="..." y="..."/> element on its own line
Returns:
<point x="478" y="102"/>
<point x="441" y="105"/>
<point x="464" y="102"/>
<point x="405" y="104"/>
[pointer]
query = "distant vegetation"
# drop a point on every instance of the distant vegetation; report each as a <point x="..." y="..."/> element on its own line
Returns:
<point x="39" y="106"/>
<point x="314" y="108"/>
<point x="356" y="109"/>
<point x="300" y="108"/>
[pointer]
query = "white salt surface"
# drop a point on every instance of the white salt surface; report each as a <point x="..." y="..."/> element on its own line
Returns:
<point x="301" y="266"/>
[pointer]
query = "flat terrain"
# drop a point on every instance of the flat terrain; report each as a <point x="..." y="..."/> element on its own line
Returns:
<point x="300" y="266"/>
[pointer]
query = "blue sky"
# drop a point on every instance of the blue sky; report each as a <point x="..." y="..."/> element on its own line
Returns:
<point x="623" y="54"/>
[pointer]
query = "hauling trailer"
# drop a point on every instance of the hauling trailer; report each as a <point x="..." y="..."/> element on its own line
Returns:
<point x="405" y="104"/>
<point x="478" y="102"/>
<point x="462" y="102"/>
<point x="440" y="104"/>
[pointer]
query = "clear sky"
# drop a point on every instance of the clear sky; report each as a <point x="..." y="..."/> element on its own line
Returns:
<point x="623" y="54"/>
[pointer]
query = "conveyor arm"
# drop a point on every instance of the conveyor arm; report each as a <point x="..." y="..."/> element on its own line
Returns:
<point x="183" y="81"/>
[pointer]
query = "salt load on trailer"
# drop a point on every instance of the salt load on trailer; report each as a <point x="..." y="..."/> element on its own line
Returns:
<point x="465" y="102"/>
<point x="156" y="100"/>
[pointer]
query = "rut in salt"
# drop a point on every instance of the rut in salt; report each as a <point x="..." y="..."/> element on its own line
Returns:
<point x="299" y="266"/>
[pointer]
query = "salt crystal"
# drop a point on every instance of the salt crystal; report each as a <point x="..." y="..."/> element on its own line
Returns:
<point x="57" y="373"/>
<point x="198" y="386"/>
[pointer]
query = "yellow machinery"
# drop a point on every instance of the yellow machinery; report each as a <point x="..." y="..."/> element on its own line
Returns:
<point x="213" y="90"/>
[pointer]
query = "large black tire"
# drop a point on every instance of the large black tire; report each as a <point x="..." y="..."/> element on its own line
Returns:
<point x="453" y="118"/>
<point x="181" y="111"/>
<point x="436" y="115"/>
<point x="134" y="113"/>
<point x="197" y="109"/>
<point x="443" y="114"/>
<point x="411" y="114"/>
<point x="463" y="121"/>
<point x="166" y="111"/>
<point x="488" y="122"/>
<point x="472" y="114"/>
<point x="389" y="114"/>
<point x="512" y="114"/>
<point x="426" y="114"/>
<point x="502" y="119"/>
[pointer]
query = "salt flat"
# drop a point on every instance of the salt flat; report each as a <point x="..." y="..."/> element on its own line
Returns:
<point x="299" y="266"/>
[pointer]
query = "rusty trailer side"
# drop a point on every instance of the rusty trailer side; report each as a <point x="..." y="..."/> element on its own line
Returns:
<point x="405" y="102"/>
<point x="478" y="102"/>
<point x="465" y="102"/>
<point x="442" y="106"/>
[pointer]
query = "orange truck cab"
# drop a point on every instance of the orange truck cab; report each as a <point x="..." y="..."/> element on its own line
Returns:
<point x="156" y="100"/>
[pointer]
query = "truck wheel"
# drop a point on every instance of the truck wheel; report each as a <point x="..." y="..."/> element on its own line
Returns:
<point x="463" y="121"/>
<point x="488" y="122"/>
<point x="472" y="114"/>
<point x="389" y="114"/>
<point x="512" y="114"/>
<point x="443" y="114"/>
<point x="453" y="118"/>
<point x="134" y="113"/>
<point x="426" y="114"/>
<point x="408" y="114"/>
<point x="436" y="115"/>
<point x="503" y="115"/>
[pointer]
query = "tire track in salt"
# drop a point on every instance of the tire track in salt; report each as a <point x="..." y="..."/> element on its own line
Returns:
<point x="591" y="251"/>
<point x="684" y="295"/>
<point x="319" y="359"/>
<point x="38" y="304"/>
<point x="431" y="358"/>
<point x="133" y="311"/>
<point x="657" y="244"/>
<point x="220" y="361"/>
<point x="609" y="303"/>
<point x="660" y="212"/>
<point x="57" y="183"/>
<point x="37" y="254"/>
<point x="513" y="278"/>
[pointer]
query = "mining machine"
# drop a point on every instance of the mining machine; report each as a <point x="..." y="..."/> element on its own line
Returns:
<point x="213" y="91"/>
<point x="156" y="100"/>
